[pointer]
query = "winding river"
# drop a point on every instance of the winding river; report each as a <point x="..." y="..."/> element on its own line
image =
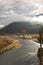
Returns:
<point x="25" y="55"/>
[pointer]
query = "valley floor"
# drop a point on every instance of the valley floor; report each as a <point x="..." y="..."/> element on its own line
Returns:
<point x="7" y="43"/>
<point x="33" y="37"/>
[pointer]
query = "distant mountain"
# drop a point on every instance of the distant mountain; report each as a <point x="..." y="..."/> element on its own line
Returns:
<point x="16" y="27"/>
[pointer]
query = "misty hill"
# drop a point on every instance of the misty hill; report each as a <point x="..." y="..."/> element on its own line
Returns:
<point x="16" y="27"/>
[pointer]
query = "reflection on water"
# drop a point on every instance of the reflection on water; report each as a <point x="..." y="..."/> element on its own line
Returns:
<point x="21" y="55"/>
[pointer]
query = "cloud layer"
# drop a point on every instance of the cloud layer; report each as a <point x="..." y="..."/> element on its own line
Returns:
<point x="30" y="10"/>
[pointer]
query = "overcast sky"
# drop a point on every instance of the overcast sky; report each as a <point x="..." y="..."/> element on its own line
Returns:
<point x="21" y="10"/>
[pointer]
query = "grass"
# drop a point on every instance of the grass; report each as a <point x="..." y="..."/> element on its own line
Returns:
<point x="7" y="43"/>
<point x="33" y="37"/>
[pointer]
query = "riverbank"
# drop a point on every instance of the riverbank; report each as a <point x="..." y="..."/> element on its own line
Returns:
<point x="7" y="43"/>
<point x="33" y="37"/>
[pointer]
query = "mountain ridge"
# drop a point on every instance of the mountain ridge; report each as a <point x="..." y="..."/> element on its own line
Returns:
<point x="16" y="27"/>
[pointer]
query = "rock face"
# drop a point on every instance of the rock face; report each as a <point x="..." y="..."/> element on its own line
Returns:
<point x="40" y="55"/>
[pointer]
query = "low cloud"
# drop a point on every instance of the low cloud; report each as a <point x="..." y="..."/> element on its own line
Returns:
<point x="1" y="26"/>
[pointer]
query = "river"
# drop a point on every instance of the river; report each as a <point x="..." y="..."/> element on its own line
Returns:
<point x="25" y="55"/>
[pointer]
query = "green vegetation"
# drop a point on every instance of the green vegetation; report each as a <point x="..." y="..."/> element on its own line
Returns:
<point x="40" y="39"/>
<point x="40" y="50"/>
<point x="23" y="32"/>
